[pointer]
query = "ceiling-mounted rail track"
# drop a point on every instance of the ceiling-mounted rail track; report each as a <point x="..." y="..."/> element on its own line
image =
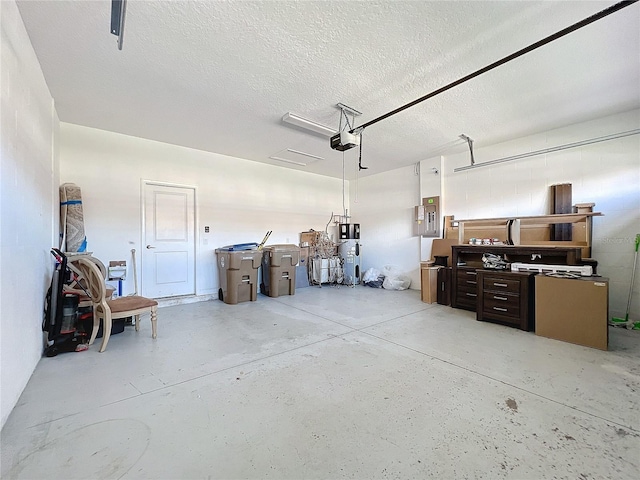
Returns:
<point x="550" y="149"/>
<point x="572" y="28"/>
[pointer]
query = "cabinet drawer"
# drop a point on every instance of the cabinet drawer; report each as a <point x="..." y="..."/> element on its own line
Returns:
<point x="501" y="317"/>
<point x="468" y="283"/>
<point x="470" y="294"/>
<point x="497" y="284"/>
<point x="501" y="304"/>
<point x="467" y="300"/>
<point x="466" y="288"/>
<point x="467" y="272"/>
<point x="467" y="278"/>
<point x="500" y="298"/>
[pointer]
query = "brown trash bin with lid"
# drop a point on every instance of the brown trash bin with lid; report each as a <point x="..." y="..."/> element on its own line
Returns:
<point x="279" y="269"/>
<point x="238" y="273"/>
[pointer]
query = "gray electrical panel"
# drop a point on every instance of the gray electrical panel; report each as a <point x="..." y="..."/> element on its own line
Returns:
<point x="427" y="218"/>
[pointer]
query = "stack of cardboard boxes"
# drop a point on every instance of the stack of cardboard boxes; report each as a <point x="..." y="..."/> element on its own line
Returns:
<point x="307" y="246"/>
<point x="435" y="274"/>
<point x="312" y="246"/>
<point x="307" y="251"/>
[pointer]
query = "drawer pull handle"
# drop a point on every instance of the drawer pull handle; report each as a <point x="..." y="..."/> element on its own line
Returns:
<point x="500" y="298"/>
<point x="472" y="294"/>
<point x="500" y="284"/>
<point x="500" y="309"/>
<point x="471" y="273"/>
<point x="472" y="282"/>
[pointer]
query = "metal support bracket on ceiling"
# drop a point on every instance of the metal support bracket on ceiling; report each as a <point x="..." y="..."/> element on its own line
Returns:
<point x="118" y="9"/>
<point x="345" y="111"/>
<point x="470" y="143"/>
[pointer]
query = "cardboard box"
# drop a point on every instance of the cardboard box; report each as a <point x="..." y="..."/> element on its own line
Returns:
<point x="308" y="238"/>
<point x="441" y="247"/>
<point x="428" y="282"/>
<point x="573" y="310"/>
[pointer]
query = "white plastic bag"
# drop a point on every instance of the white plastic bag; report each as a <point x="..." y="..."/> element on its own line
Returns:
<point x="394" y="279"/>
<point x="373" y="278"/>
<point x="370" y="275"/>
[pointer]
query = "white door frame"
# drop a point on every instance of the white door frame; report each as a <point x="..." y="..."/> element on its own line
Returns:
<point x="143" y="227"/>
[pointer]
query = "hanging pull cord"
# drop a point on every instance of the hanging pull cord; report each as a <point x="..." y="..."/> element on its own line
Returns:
<point x="360" y="167"/>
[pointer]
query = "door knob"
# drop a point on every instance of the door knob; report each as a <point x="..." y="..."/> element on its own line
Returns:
<point x="149" y="246"/>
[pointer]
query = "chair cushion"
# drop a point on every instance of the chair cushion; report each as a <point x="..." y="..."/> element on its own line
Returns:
<point x="124" y="304"/>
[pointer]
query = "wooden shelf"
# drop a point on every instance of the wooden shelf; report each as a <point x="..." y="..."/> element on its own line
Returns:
<point x="535" y="219"/>
<point x="533" y="230"/>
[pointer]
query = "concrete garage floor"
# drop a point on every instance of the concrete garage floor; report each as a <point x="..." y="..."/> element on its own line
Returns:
<point x="330" y="383"/>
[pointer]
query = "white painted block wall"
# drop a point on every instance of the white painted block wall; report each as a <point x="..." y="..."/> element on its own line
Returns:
<point x="385" y="212"/>
<point x="28" y="205"/>
<point x="238" y="199"/>
<point x="606" y="173"/>
<point x="430" y="186"/>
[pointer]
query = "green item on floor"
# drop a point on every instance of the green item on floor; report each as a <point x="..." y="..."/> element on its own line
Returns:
<point x="624" y="322"/>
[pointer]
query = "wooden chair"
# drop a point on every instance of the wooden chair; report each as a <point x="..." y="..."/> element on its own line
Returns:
<point x="107" y="310"/>
<point x="79" y="285"/>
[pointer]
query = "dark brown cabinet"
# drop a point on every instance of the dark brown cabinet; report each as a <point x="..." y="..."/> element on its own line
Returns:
<point x="505" y="297"/>
<point x="468" y="280"/>
<point x="466" y="288"/>
<point x="466" y="259"/>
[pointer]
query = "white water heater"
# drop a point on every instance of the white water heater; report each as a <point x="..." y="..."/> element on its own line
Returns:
<point x="351" y="254"/>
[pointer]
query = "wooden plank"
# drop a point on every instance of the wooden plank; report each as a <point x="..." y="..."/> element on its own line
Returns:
<point x="561" y="204"/>
<point x="555" y="243"/>
<point x="545" y="219"/>
<point x="535" y="233"/>
<point x="442" y="247"/>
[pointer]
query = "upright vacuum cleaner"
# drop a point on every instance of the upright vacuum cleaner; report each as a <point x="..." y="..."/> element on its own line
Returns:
<point x="61" y="311"/>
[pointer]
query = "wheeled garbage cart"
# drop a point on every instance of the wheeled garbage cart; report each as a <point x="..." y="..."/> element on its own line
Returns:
<point x="238" y="270"/>
<point x="279" y="269"/>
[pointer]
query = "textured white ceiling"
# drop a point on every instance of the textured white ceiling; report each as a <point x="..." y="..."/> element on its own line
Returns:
<point x="219" y="75"/>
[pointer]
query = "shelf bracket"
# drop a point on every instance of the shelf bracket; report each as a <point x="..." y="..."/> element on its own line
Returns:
<point x="470" y="143"/>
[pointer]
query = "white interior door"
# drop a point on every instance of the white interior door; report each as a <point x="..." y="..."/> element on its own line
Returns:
<point x="168" y="252"/>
